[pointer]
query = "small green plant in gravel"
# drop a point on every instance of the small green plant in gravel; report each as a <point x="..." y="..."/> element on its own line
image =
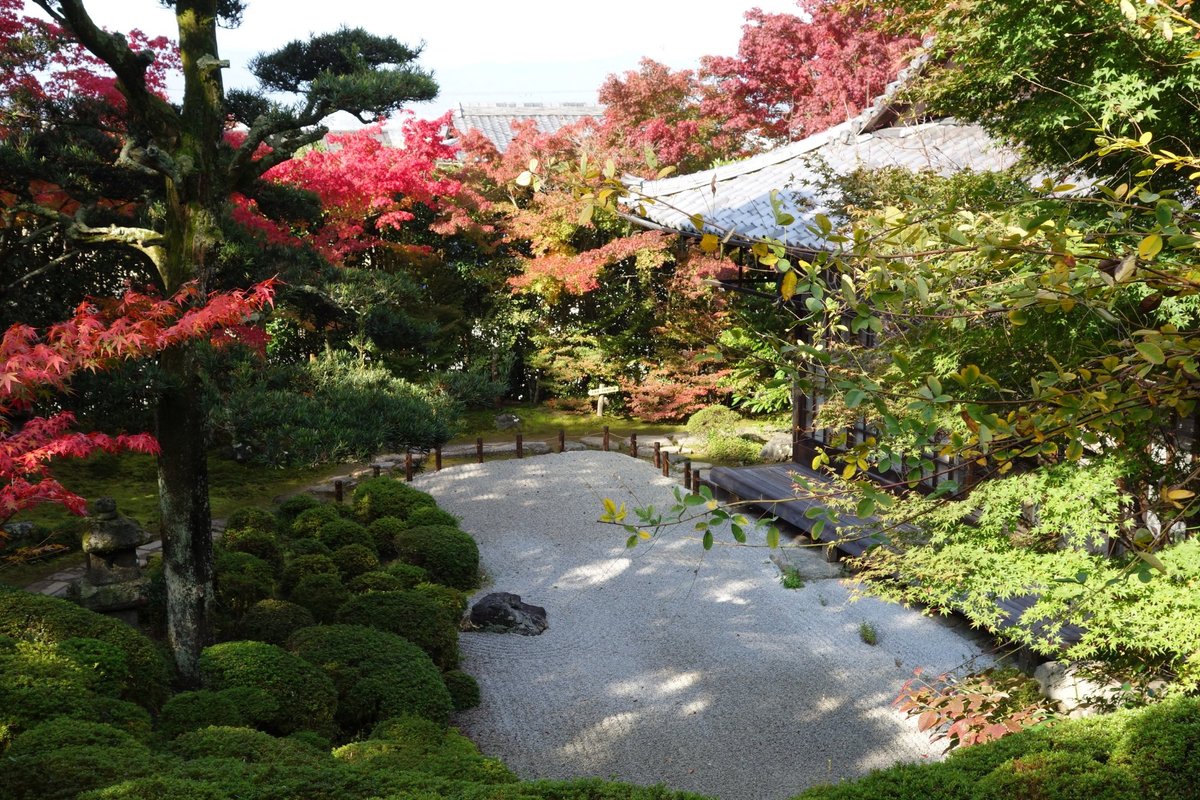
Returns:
<point x="867" y="632"/>
<point x="791" y="578"/>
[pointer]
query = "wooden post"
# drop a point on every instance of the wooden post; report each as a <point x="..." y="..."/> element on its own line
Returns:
<point x="520" y="446"/>
<point x="375" y="470"/>
<point x="633" y="445"/>
<point x="666" y="465"/>
<point x="658" y="454"/>
<point x="479" y="449"/>
<point x="606" y="438"/>
<point x="339" y="491"/>
<point x="562" y="440"/>
<point x="687" y="474"/>
<point x="408" y="467"/>
<point x="437" y="459"/>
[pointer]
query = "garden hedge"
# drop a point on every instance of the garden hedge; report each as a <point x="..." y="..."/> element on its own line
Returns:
<point x="449" y="555"/>
<point x="273" y="621"/>
<point x="411" y="615"/>
<point x="386" y="497"/>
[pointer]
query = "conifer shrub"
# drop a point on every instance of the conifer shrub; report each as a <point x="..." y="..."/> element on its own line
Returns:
<point x="449" y="555"/>
<point x="383" y="532"/>
<point x="353" y="560"/>
<point x="322" y="595"/>
<point x="1057" y="776"/>
<point x="33" y="617"/>
<point x="1161" y="749"/>
<point x="305" y="547"/>
<point x="385" y="497"/>
<point x="105" y="664"/>
<point x="57" y="760"/>
<point x="241" y="580"/>
<point x="376" y="581"/>
<point x="408" y="574"/>
<point x="252" y="518"/>
<point x="189" y="711"/>
<point x="287" y="511"/>
<point x="256" y="542"/>
<point x="377" y="675"/>
<point x="158" y="787"/>
<point x="431" y="515"/>
<point x="413" y="744"/>
<point x="244" y="744"/>
<point x="308" y="522"/>
<point x="273" y="621"/>
<point x="713" y="419"/>
<point x="464" y="690"/>
<point x="408" y="614"/>
<point x="452" y="600"/>
<point x="340" y="533"/>
<point x="302" y="567"/>
<point x="303" y="695"/>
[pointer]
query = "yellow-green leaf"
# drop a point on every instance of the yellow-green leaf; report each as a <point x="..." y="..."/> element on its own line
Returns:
<point x="1151" y="246"/>
<point x="1179" y="494"/>
<point x="1151" y="352"/>
<point x="788" y="287"/>
<point x="709" y="243"/>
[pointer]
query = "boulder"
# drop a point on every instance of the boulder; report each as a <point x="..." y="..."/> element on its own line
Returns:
<point x="505" y="422"/>
<point x="777" y="449"/>
<point x="502" y="612"/>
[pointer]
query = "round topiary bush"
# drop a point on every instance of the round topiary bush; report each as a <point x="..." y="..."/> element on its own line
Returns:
<point x="385" y="497"/>
<point x="411" y="744"/>
<point x="1057" y="776"/>
<point x="189" y="711"/>
<point x="713" y="419"/>
<point x="63" y="757"/>
<point x="377" y="674"/>
<point x="304" y="695"/>
<point x="340" y="533"/>
<point x="34" y="617"/>
<point x="322" y="595"/>
<point x="302" y="567"/>
<point x="264" y="544"/>
<point x="431" y="515"/>
<point x="158" y="787"/>
<point x="123" y="715"/>
<point x="243" y="744"/>
<point x="287" y="511"/>
<point x="383" y="532"/>
<point x="464" y="690"/>
<point x="449" y="555"/>
<point x="451" y="599"/>
<point x="1161" y="749"/>
<point x="307" y="523"/>
<point x="251" y="518"/>
<point x="103" y="661"/>
<point x="305" y="547"/>
<point x="240" y="581"/>
<point x="354" y="559"/>
<point x="409" y="574"/>
<point x="273" y="621"/>
<point x="728" y="448"/>
<point x="376" y="582"/>
<point x="411" y="615"/>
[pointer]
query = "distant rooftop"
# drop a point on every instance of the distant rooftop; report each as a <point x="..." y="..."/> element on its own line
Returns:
<point x="495" y="120"/>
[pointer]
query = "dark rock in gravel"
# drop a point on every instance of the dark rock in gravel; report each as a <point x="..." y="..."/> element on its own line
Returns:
<point x="501" y="612"/>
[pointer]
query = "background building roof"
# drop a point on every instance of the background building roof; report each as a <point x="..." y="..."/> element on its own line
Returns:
<point x="496" y="121"/>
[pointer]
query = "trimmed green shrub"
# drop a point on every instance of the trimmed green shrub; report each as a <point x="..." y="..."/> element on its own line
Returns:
<point x="1161" y="749"/>
<point x="901" y="782"/>
<point x="123" y="715"/>
<point x="409" y="574"/>
<point x="244" y="744"/>
<point x="306" y="547"/>
<point x="35" y="617"/>
<point x="264" y="544"/>
<point x="322" y="744"/>
<point x="322" y="595"/>
<point x="287" y="511"/>
<point x="304" y="695"/>
<point x="383" y="532"/>
<point x="411" y="615"/>
<point x="419" y="745"/>
<point x="354" y="559"/>
<point x="273" y="621"/>
<point x="386" y="497"/>
<point x="308" y="522"/>
<point x="713" y="419"/>
<point x="302" y="567"/>
<point x="1058" y="776"/>
<point x="376" y="582"/>
<point x="251" y="518"/>
<point x="377" y="674"/>
<point x="732" y="449"/>
<point x="449" y="598"/>
<point x="105" y="661"/>
<point x="158" y="787"/>
<point x="63" y="757"/>
<point x="464" y="690"/>
<point x="339" y="533"/>
<point x="240" y="581"/>
<point x="449" y="555"/>
<point x="431" y="515"/>
<point x="189" y="711"/>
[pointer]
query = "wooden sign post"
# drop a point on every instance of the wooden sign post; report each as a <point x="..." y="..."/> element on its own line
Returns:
<point x="601" y="400"/>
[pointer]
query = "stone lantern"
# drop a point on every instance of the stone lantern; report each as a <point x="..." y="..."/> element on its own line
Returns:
<point x="113" y="583"/>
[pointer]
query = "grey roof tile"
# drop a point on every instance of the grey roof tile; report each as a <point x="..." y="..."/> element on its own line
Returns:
<point x="496" y="121"/>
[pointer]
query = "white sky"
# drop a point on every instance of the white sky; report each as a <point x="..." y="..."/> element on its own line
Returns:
<point x="485" y="51"/>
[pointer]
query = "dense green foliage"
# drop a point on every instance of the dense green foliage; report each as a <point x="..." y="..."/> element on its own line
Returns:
<point x="384" y="497"/>
<point x="305" y="696"/>
<point x="322" y="595"/>
<point x="410" y="614"/>
<point x="449" y="555"/>
<point x="273" y="621"/>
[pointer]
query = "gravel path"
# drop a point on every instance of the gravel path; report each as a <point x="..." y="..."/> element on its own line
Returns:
<point x="666" y="664"/>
